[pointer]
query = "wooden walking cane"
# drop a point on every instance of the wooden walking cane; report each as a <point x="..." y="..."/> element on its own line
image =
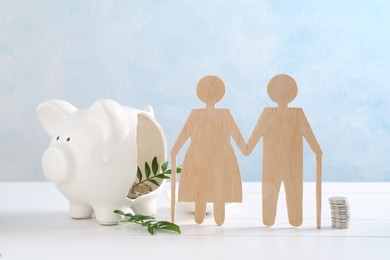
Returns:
<point x="319" y="188"/>
<point x="173" y="188"/>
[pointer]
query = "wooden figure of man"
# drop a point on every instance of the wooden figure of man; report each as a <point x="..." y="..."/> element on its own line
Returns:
<point x="210" y="171"/>
<point x="282" y="129"/>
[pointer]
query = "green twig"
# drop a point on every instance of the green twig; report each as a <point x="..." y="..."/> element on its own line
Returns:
<point x="150" y="222"/>
<point x="153" y="173"/>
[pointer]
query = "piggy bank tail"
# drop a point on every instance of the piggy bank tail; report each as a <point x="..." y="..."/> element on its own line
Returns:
<point x="149" y="110"/>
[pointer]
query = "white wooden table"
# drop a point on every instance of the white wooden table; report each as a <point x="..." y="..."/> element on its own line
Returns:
<point x="34" y="224"/>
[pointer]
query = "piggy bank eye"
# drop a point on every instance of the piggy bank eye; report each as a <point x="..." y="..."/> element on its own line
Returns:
<point x="68" y="139"/>
<point x="57" y="138"/>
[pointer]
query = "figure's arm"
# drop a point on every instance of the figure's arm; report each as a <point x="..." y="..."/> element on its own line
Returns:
<point x="181" y="140"/>
<point x="257" y="133"/>
<point x="237" y="136"/>
<point x="307" y="132"/>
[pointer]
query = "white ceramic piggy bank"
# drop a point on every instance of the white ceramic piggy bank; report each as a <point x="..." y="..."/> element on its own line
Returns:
<point x="93" y="156"/>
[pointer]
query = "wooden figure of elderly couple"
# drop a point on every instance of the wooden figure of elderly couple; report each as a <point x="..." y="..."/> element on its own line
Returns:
<point x="210" y="171"/>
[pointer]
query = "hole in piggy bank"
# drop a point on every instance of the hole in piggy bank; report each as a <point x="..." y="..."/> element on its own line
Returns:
<point x="150" y="144"/>
<point x="148" y="179"/>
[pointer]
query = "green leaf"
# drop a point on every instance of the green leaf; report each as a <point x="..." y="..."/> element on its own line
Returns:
<point x="119" y="212"/>
<point x="142" y="217"/>
<point x="168" y="172"/>
<point x="164" y="166"/>
<point x="139" y="174"/>
<point x="129" y="215"/>
<point x="172" y="228"/>
<point x="147" y="170"/>
<point x="155" y="165"/>
<point x="152" y="229"/>
<point x="164" y="223"/>
<point x="178" y="169"/>
<point x="168" y="226"/>
<point x="133" y="218"/>
<point x="154" y="182"/>
<point x="162" y="176"/>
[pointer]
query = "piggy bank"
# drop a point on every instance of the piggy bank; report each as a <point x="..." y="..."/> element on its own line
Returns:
<point x="94" y="153"/>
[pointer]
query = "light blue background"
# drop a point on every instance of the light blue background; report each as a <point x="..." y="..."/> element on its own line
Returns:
<point x="154" y="52"/>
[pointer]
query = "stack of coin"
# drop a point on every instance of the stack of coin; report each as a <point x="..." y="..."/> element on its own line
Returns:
<point x="340" y="212"/>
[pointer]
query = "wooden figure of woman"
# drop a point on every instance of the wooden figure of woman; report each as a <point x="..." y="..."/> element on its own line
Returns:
<point x="210" y="171"/>
<point x="283" y="129"/>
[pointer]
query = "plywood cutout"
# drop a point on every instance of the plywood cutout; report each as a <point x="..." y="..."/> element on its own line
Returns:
<point x="282" y="129"/>
<point x="210" y="171"/>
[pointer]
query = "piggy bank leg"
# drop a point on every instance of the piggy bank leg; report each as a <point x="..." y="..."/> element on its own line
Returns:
<point x="78" y="211"/>
<point x="105" y="215"/>
<point x="145" y="205"/>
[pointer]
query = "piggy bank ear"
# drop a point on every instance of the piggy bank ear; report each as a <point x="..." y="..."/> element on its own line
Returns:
<point x="149" y="110"/>
<point x="53" y="113"/>
<point x="111" y="117"/>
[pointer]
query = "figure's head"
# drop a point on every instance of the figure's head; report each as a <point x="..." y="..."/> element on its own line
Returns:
<point x="282" y="89"/>
<point x="210" y="90"/>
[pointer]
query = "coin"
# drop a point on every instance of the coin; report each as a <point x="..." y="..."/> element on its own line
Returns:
<point x="339" y="209"/>
<point x="339" y="212"/>
<point x="337" y="199"/>
<point x="341" y="227"/>
<point x="340" y="216"/>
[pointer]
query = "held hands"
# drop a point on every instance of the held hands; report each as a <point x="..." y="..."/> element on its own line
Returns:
<point x="246" y="149"/>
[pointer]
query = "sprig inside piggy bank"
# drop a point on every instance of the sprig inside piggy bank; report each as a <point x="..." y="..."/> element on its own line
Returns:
<point x="94" y="153"/>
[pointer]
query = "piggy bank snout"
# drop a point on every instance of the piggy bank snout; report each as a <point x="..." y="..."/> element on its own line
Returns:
<point x="56" y="163"/>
